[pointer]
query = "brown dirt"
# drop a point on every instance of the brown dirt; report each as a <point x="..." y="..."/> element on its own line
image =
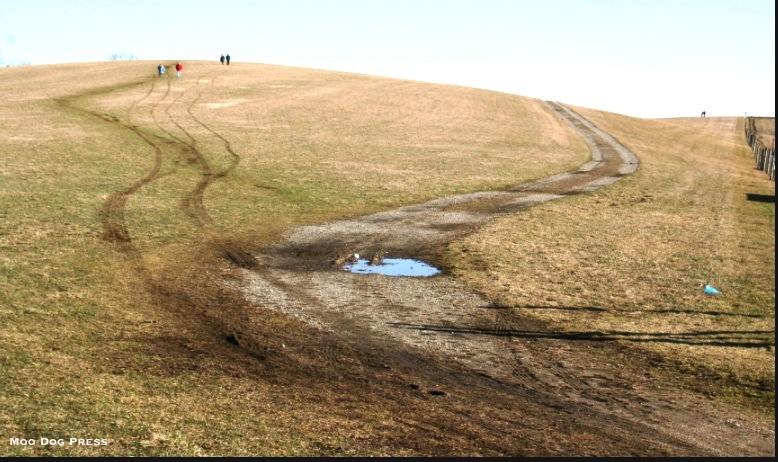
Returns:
<point x="461" y="375"/>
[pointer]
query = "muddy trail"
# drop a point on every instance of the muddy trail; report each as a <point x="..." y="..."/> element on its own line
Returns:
<point x="505" y="384"/>
<point x="175" y="142"/>
<point x="429" y="366"/>
<point x="171" y="142"/>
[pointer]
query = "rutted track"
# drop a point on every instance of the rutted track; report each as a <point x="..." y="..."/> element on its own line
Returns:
<point x="518" y="379"/>
<point x="167" y="145"/>
<point x="193" y="202"/>
<point x="112" y="212"/>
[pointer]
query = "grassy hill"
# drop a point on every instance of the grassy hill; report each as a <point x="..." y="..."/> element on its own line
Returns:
<point x="120" y="188"/>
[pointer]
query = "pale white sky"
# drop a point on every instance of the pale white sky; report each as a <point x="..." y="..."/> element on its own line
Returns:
<point x="645" y="58"/>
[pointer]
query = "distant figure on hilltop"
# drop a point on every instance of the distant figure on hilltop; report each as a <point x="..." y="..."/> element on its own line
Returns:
<point x="703" y="114"/>
<point x="227" y="58"/>
<point x="222" y="60"/>
<point x="179" y="68"/>
<point x="161" y="70"/>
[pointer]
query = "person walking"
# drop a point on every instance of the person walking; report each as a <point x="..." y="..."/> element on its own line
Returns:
<point x="160" y="70"/>
<point x="227" y="58"/>
<point x="179" y="68"/>
<point x="222" y="60"/>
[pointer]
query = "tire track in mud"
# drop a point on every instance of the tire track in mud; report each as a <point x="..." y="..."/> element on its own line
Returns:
<point x="227" y="145"/>
<point x="193" y="202"/>
<point x="112" y="213"/>
<point x="196" y="305"/>
<point x="489" y="355"/>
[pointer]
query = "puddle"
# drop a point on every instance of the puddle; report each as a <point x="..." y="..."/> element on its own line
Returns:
<point x="393" y="267"/>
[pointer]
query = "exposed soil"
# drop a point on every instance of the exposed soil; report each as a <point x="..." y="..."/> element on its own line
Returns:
<point x="503" y="384"/>
<point x="419" y="366"/>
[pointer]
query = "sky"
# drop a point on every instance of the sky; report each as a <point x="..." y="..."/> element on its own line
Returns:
<point x="643" y="58"/>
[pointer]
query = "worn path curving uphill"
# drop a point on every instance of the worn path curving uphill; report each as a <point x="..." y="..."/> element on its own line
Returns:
<point x="507" y="384"/>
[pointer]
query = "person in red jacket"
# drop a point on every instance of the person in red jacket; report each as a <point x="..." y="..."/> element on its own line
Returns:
<point x="179" y="68"/>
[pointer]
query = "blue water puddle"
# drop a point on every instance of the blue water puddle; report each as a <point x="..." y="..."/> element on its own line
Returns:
<point x="393" y="267"/>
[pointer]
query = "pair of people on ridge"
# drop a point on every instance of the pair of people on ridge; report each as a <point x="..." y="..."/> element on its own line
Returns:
<point x="161" y="70"/>
<point x="224" y="59"/>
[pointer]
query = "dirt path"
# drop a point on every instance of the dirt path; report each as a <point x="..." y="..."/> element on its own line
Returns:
<point x="506" y="385"/>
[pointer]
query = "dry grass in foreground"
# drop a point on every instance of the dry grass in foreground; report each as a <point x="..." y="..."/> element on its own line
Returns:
<point x="629" y="262"/>
<point x="98" y="338"/>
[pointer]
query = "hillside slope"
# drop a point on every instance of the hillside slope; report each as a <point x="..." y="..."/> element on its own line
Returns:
<point x="126" y="199"/>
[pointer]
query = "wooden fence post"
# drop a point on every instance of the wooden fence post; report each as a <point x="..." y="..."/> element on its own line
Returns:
<point x="764" y="157"/>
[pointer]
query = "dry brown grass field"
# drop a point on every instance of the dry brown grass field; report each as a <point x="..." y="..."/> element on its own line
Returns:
<point x="121" y="193"/>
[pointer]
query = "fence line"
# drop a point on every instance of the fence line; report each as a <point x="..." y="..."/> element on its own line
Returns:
<point x="764" y="157"/>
